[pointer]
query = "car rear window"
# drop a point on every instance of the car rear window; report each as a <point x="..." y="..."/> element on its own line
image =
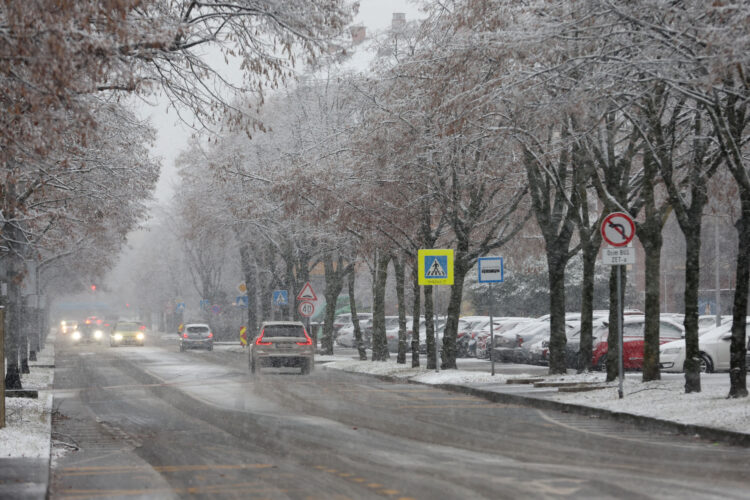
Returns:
<point x="283" y="331"/>
<point x="197" y="329"/>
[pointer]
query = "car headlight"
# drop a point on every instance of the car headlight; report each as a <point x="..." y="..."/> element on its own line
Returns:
<point x="118" y="336"/>
<point x="76" y="335"/>
<point x="671" y="350"/>
<point x="139" y="336"/>
<point x="98" y="334"/>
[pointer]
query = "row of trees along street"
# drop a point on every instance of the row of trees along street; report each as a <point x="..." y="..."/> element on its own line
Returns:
<point x="77" y="173"/>
<point x="480" y="125"/>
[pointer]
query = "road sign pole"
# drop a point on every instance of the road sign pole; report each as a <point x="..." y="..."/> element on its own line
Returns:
<point x="492" y="333"/>
<point x="619" y="331"/>
<point x="437" y="309"/>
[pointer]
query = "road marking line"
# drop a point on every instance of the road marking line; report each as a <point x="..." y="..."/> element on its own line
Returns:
<point x="98" y="470"/>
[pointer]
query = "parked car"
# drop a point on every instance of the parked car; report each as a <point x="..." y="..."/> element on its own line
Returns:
<point x="536" y="350"/>
<point x="632" y="336"/>
<point x="713" y="346"/>
<point x="196" y="336"/>
<point x="391" y="332"/>
<point x="465" y="334"/>
<point x="127" y="333"/>
<point x="345" y="337"/>
<point x="440" y="328"/>
<point x="507" y="343"/>
<point x="282" y="344"/>
<point x="500" y="325"/>
<point x="345" y="320"/>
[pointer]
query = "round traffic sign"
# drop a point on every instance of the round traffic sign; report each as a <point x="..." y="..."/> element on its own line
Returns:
<point x="618" y="229"/>
<point x="306" y="309"/>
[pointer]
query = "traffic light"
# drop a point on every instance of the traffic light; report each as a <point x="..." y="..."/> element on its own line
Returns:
<point x="93" y="288"/>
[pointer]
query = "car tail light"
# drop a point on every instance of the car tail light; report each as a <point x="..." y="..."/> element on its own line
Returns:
<point x="98" y="322"/>
<point x="143" y="327"/>
<point x="519" y="340"/>
<point x="210" y="335"/>
<point x="184" y="335"/>
<point x="306" y="342"/>
<point x="259" y="340"/>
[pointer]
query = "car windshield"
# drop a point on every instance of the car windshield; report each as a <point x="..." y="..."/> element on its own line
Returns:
<point x="127" y="327"/>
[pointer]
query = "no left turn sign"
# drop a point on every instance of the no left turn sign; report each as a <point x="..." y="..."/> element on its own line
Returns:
<point x="618" y="229"/>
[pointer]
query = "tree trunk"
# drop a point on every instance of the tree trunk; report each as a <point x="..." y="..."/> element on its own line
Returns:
<point x="23" y="341"/>
<point x="448" y="356"/>
<point x="379" y="341"/>
<point x="416" y="313"/>
<point x="13" y="322"/>
<point x="692" y="284"/>
<point x="557" y="339"/>
<point x="355" y="320"/>
<point x="35" y="332"/>
<point x="585" y="347"/>
<point x="615" y="304"/>
<point x="334" y="285"/>
<point x="737" y="349"/>
<point x="429" y="325"/>
<point x="400" y="271"/>
<point x="652" y="243"/>
<point x="250" y="273"/>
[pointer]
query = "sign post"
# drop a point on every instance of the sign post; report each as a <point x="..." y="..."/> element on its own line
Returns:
<point x="306" y="308"/>
<point x="435" y="267"/>
<point x="490" y="270"/>
<point x="618" y="230"/>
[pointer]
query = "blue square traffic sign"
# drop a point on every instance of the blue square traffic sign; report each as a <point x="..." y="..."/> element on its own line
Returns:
<point x="280" y="297"/>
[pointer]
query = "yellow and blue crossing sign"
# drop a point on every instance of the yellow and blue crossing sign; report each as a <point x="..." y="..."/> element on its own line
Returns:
<point x="435" y="266"/>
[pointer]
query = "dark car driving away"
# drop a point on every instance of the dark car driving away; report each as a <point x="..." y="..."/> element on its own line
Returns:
<point x="282" y="344"/>
<point x="196" y="336"/>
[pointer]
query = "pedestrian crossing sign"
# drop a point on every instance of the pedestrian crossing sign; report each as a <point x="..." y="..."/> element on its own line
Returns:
<point x="280" y="298"/>
<point x="435" y="266"/>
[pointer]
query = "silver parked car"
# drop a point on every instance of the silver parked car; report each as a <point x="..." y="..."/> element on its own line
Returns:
<point x="282" y="344"/>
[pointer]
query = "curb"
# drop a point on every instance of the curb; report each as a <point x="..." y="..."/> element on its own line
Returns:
<point x="706" y="433"/>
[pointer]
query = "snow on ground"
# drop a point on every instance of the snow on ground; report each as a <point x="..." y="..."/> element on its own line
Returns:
<point x="27" y="427"/>
<point x="28" y="421"/>
<point x="664" y="399"/>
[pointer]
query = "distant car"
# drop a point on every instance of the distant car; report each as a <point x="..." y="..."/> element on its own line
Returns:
<point x="713" y="347"/>
<point x="127" y="333"/>
<point x="68" y="326"/>
<point x="87" y="332"/>
<point x="196" y="336"/>
<point x="282" y="344"/>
